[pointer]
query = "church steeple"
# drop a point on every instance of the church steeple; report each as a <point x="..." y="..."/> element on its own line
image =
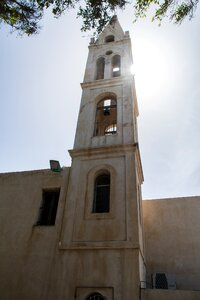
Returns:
<point x="112" y="32"/>
<point x="109" y="105"/>
<point x="103" y="205"/>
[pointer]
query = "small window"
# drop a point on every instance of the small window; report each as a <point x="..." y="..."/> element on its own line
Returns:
<point x="106" y="116"/>
<point x="95" y="296"/>
<point x="100" y="66"/>
<point x="161" y="281"/>
<point x="101" y="201"/>
<point x="109" y="38"/>
<point x="48" y="209"/>
<point x="116" y="66"/>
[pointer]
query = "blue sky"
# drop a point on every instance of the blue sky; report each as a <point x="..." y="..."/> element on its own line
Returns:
<point x="40" y="96"/>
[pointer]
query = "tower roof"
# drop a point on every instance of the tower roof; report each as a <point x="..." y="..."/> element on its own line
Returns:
<point x="113" y="28"/>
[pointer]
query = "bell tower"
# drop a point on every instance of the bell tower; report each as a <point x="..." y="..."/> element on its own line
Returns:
<point x="108" y="98"/>
<point x="102" y="229"/>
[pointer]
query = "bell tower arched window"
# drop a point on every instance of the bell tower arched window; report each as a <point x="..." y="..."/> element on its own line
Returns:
<point x="101" y="200"/>
<point x="116" y="66"/>
<point x="100" y="66"/>
<point x="106" y="117"/>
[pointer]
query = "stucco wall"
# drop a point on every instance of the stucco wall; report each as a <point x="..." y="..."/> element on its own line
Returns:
<point x="33" y="264"/>
<point x="77" y="273"/>
<point x="169" y="295"/>
<point x="172" y="228"/>
<point x="27" y="251"/>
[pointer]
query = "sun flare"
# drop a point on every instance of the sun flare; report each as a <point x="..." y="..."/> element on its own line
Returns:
<point x="151" y="67"/>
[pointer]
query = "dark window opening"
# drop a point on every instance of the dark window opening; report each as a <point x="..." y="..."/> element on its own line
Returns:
<point x="95" y="296"/>
<point x="109" y="38"/>
<point x="48" y="208"/>
<point x="106" y="117"/>
<point x="101" y="202"/>
<point x="100" y="68"/>
<point x="116" y="66"/>
<point x="109" y="52"/>
<point x="161" y="281"/>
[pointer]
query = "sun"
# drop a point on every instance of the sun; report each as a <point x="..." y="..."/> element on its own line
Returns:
<point x="151" y="66"/>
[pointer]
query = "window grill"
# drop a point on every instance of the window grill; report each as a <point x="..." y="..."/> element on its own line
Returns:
<point x="105" y="128"/>
<point x="111" y="129"/>
<point x="161" y="281"/>
<point x="95" y="296"/>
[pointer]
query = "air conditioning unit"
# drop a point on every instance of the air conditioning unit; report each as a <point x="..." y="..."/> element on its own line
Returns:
<point x="163" y="281"/>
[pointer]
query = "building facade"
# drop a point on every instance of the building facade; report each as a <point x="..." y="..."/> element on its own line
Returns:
<point x="79" y="232"/>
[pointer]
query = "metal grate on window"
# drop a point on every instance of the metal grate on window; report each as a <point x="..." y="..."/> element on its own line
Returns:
<point x="95" y="296"/>
<point x="161" y="281"/>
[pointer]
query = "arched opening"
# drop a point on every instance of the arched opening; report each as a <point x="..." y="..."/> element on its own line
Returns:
<point x="116" y="66"/>
<point x="101" y="200"/>
<point x="95" y="296"/>
<point x="100" y="66"/>
<point x="109" y="38"/>
<point x="109" y="52"/>
<point x="106" y="117"/>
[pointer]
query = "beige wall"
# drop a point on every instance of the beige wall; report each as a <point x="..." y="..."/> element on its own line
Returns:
<point x="27" y="251"/>
<point x="33" y="264"/>
<point x="113" y="272"/>
<point x="172" y="228"/>
<point x="169" y="295"/>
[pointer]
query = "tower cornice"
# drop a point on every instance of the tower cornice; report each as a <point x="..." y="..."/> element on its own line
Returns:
<point x="110" y="150"/>
<point x="102" y="150"/>
<point x="125" y="39"/>
<point x="108" y="82"/>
